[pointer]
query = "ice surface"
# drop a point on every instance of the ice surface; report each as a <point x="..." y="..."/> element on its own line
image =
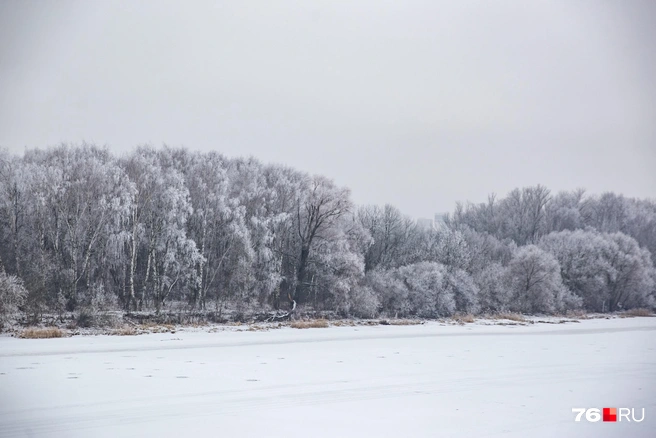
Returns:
<point x="386" y="381"/>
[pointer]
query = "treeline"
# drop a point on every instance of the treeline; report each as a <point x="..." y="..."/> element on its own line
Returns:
<point x="85" y="231"/>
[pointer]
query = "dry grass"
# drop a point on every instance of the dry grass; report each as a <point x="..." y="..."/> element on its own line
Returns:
<point x="464" y="319"/>
<point x="42" y="333"/>
<point x="637" y="312"/>
<point x="509" y="316"/>
<point x="153" y="327"/>
<point x="344" y="323"/>
<point x="577" y="314"/>
<point x="313" y="323"/>
<point x="147" y="327"/>
<point x="405" y="322"/>
<point x="124" y="331"/>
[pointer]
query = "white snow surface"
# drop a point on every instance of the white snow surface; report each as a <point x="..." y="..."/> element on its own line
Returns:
<point x="429" y="380"/>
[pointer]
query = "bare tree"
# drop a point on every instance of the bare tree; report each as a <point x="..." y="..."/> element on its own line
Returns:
<point x="316" y="213"/>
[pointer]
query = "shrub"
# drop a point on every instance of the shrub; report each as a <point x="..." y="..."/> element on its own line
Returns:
<point x="364" y="302"/>
<point x="85" y="319"/>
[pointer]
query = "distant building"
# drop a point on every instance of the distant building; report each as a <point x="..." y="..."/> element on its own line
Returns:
<point x="425" y="224"/>
<point x="439" y="222"/>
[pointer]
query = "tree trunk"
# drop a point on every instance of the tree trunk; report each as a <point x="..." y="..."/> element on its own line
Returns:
<point x="201" y="271"/>
<point x="300" y="274"/>
<point x="15" y="240"/>
<point x="133" y="262"/>
<point x="142" y="296"/>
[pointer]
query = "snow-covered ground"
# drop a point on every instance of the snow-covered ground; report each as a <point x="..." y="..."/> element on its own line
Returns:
<point x="385" y="381"/>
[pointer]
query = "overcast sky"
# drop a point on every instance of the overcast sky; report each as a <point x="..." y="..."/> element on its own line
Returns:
<point x="414" y="103"/>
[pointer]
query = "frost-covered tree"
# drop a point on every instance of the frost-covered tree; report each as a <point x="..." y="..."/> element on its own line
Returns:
<point x="317" y="211"/>
<point x="607" y="271"/>
<point x="609" y="213"/>
<point x="464" y="289"/>
<point x="493" y="295"/>
<point x="523" y="214"/>
<point x="390" y="290"/>
<point x="485" y="249"/>
<point x="334" y="273"/>
<point x="78" y="199"/>
<point x="206" y="178"/>
<point x="484" y="218"/>
<point x="582" y="256"/>
<point x="520" y="216"/>
<point x="12" y="297"/>
<point x="14" y="198"/>
<point x="534" y="282"/>
<point x="158" y="243"/>
<point x="429" y="294"/>
<point x="641" y="223"/>
<point x="364" y="302"/>
<point x="391" y="234"/>
<point x="285" y="185"/>
<point x="84" y="230"/>
<point x="568" y="211"/>
<point x="452" y="249"/>
<point x="630" y="279"/>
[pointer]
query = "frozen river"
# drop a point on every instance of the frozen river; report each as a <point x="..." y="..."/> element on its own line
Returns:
<point x="385" y="381"/>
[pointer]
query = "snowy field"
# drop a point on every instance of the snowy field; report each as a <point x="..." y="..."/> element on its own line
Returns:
<point x="385" y="381"/>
